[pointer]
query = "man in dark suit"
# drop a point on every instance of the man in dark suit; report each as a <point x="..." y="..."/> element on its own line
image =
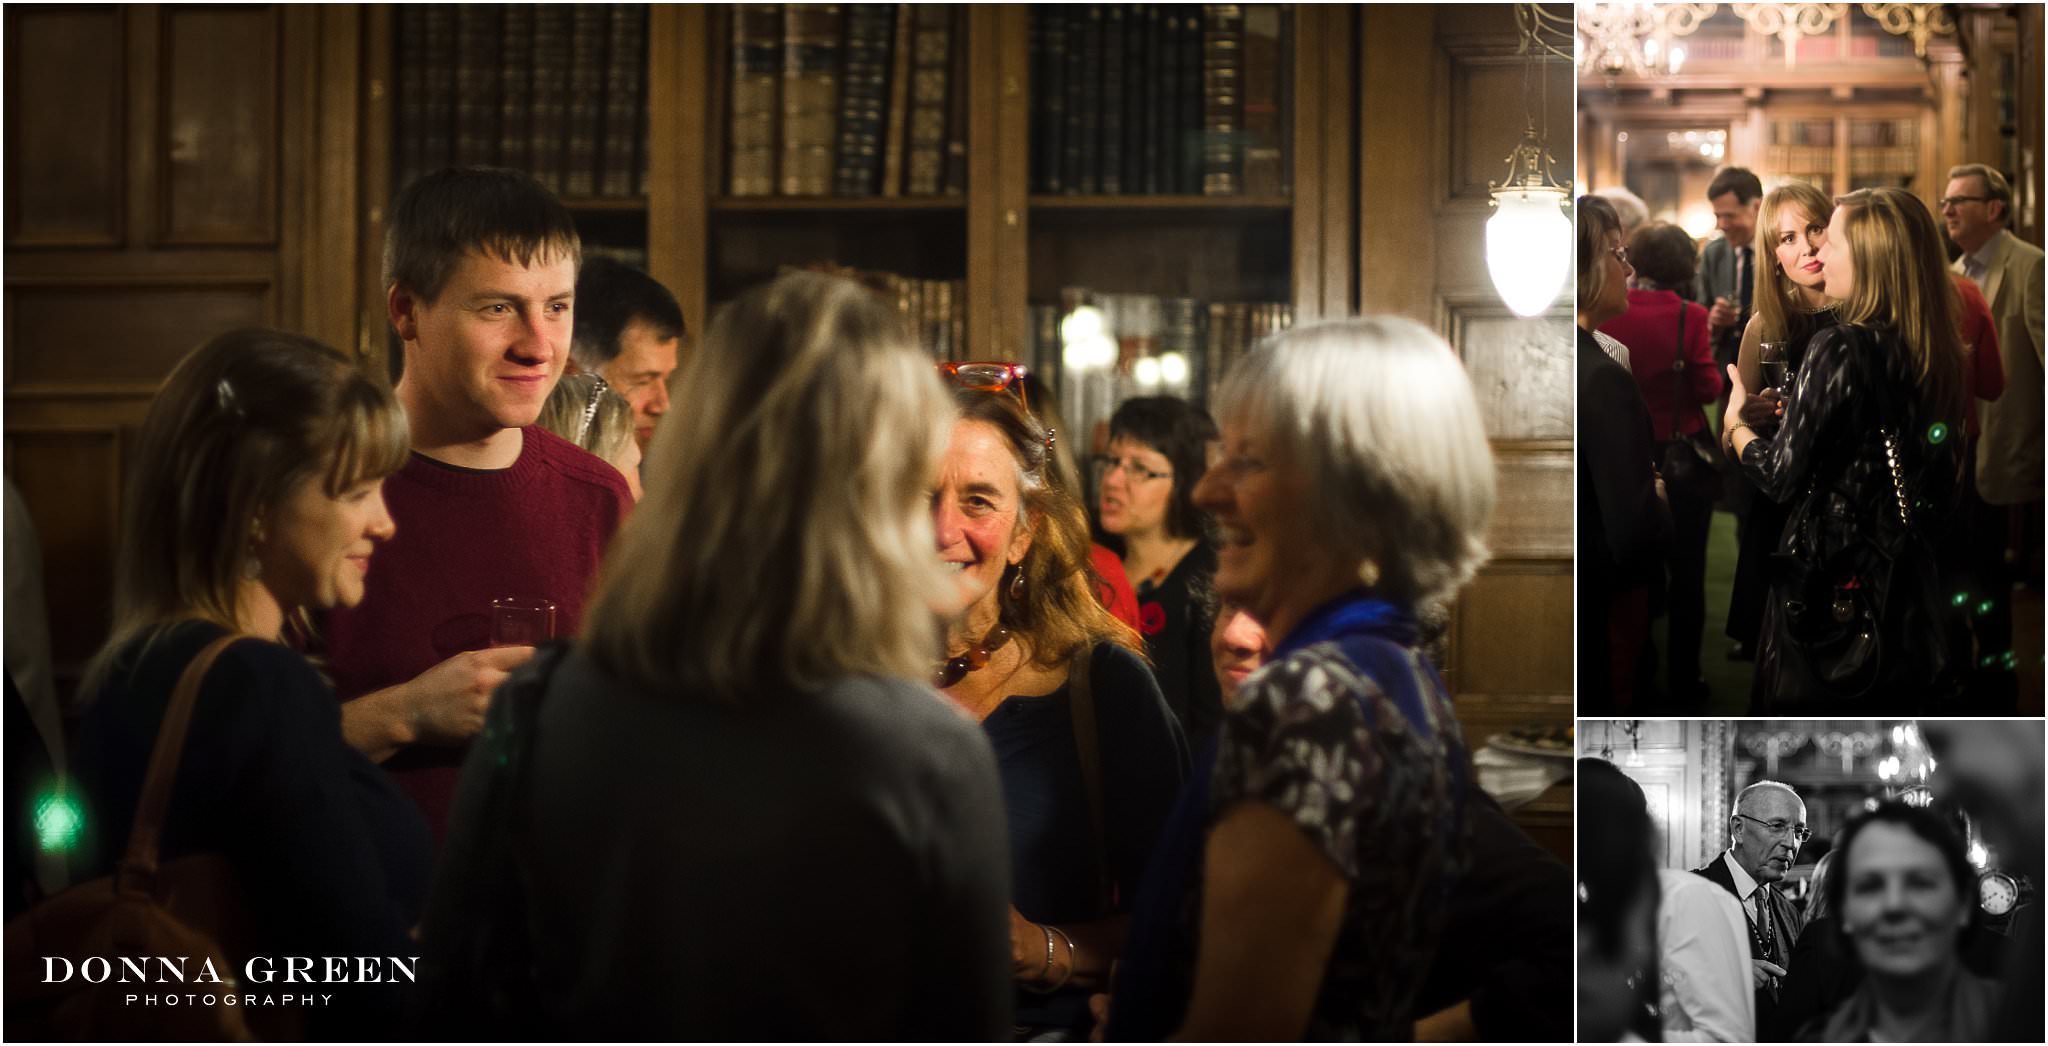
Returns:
<point x="1767" y="829"/>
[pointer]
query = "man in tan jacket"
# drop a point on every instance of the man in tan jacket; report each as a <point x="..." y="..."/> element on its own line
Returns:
<point x="1975" y="208"/>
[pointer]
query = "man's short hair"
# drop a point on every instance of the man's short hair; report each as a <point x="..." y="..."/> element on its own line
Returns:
<point x="1995" y="185"/>
<point x="1741" y="181"/>
<point x="610" y="295"/>
<point x="447" y="213"/>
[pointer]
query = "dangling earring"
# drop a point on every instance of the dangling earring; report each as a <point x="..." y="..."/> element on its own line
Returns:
<point x="1369" y="573"/>
<point x="1017" y="585"/>
<point x="252" y="568"/>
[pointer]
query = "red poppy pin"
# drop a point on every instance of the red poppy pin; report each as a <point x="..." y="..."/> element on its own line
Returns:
<point x="1151" y="618"/>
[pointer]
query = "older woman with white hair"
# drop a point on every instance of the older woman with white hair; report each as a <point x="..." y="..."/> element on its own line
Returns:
<point x="1300" y="888"/>
<point x="736" y="810"/>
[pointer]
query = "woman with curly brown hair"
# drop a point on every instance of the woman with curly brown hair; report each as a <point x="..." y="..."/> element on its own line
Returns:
<point x="1089" y="755"/>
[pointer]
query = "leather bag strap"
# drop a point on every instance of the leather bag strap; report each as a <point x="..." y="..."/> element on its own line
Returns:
<point x="1678" y="377"/>
<point x="1088" y="745"/>
<point x="141" y="859"/>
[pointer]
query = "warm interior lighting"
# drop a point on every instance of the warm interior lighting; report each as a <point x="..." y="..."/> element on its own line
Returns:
<point x="1528" y="247"/>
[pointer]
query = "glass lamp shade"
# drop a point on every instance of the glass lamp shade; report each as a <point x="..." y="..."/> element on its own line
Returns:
<point x="1528" y="247"/>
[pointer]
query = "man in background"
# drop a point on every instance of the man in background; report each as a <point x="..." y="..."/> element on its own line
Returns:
<point x="628" y="330"/>
<point x="1975" y="208"/>
<point x="1767" y="829"/>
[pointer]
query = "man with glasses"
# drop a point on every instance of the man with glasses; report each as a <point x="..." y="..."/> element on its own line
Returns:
<point x="1975" y="208"/>
<point x="1767" y="829"/>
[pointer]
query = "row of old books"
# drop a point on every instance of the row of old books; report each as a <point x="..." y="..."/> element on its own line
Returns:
<point x="1143" y="345"/>
<point x="934" y="310"/>
<point x="559" y="90"/>
<point x="845" y="100"/>
<point x="1160" y="99"/>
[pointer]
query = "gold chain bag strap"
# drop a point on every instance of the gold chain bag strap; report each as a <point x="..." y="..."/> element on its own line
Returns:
<point x="189" y="907"/>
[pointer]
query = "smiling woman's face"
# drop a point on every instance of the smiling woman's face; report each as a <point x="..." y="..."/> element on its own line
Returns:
<point x="977" y="510"/>
<point x="1900" y="904"/>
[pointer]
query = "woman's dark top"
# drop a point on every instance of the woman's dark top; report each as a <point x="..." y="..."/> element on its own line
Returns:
<point x="332" y="858"/>
<point x="1821" y="975"/>
<point x="1350" y="733"/>
<point x="1766" y="520"/>
<point x="791" y="866"/>
<point x="1624" y="528"/>
<point x="1052" y="860"/>
<point x="1827" y="463"/>
<point x="1174" y="619"/>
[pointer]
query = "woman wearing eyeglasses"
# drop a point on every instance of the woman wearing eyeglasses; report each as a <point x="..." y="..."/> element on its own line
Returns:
<point x="1624" y="524"/>
<point x="1869" y="456"/>
<point x="1158" y="448"/>
<point x="1089" y="755"/>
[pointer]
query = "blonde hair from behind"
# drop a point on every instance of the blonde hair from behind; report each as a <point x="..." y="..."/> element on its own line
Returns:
<point x="785" y="539"/>
<point x="237" y="426"/>
<point x="1902" y="282"/>
<point x="1774" y="295"/>
<point x="609" y="424"/>
<point x="1378" y="416"/>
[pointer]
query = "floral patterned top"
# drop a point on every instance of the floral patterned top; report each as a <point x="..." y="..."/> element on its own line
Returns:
<point x="1353" y="737"/>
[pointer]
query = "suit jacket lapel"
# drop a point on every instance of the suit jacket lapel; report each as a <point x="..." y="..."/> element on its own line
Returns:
<point x="1994" y="275"/>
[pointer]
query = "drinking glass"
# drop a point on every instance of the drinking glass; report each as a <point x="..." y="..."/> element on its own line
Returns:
<point x="522" y="621"/>
<point x="1774" y="360"/>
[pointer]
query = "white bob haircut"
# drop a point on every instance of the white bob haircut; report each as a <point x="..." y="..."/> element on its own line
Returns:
<point x="1378" y="418"/>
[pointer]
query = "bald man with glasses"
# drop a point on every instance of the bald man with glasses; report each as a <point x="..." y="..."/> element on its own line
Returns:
<point x="1767" y="829"/>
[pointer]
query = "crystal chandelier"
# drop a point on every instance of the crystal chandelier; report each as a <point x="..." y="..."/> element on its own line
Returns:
<point x="1636" y="39"/>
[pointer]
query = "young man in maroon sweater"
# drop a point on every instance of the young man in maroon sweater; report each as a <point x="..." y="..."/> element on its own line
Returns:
<point x="480" y="268"/>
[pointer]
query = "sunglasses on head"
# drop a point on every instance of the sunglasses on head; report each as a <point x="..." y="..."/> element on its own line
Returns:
<point x="992" y="376"/>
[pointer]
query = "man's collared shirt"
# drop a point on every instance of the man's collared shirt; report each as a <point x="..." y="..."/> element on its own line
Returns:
<point x="1977" y="263"/>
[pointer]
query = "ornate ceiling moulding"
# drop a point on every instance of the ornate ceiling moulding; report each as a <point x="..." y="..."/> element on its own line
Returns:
<point x="1790" y="22"/>
<point x="1922" y="22"/>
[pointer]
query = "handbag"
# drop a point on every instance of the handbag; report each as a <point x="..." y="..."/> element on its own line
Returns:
<point x="1844" y="614"/>
<point x="1686" y="461"/>
<point x="188" y="907"/>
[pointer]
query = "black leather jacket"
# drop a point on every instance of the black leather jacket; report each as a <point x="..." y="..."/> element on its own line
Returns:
<point x="1828" y="463"/>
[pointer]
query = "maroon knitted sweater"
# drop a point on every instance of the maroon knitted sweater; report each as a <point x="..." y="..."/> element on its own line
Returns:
<point x="464" y="538"/>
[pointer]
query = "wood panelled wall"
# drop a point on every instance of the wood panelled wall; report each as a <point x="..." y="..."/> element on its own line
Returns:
<point x="1441" y="104"/>
<point x="163" y="185"/>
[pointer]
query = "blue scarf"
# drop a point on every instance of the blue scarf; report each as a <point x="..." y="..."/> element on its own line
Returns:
<point x="1155" y="977"/>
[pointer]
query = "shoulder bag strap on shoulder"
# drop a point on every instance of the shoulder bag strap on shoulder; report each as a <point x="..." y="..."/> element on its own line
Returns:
<point x="1088" y="745"/>
<point x="1678" y="378"/>
<point x="141" y="859"/>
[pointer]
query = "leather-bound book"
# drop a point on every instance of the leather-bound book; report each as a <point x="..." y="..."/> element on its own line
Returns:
<point x="437" y="109"/>
<point x="756" y="98"/>
<point x="625" y="73"/>
<point x="863" y="99"/>
<point x="515" y="87"/>
<point x="547" y="132"/>
<point x="810" y="96"/>
<point x="1263" y="131"/>
<point x="1222" y="98"/>
<point x="931" y="68"/>
<point x="589" y="28"/>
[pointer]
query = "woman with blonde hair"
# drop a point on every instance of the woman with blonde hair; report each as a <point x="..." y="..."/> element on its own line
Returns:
<point x="1304" y="881"/>
<point x="1869" y="456"/>
<point x="257" y="495"/>
<point x="1789" y="308"/>
<point x="1089" y="754"/>
<point x="585" y="410"/>
<point x="735" y="809"/>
